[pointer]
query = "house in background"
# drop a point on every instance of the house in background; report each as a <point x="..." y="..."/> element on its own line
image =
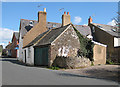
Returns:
<point x="1" y="48"/>
<point x="41" y="45"/>
<point x="108" y="35"/>
<point x="8" y="50"/>
<point x="15" y="43"/>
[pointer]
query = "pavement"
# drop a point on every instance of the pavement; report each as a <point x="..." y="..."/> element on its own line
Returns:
<point x="16" y="73"/>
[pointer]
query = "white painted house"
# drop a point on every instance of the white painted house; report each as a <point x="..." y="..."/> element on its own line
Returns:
<point x="25" y="26"/>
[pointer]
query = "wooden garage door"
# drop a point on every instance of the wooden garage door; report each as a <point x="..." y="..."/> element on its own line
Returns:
<point x="41" y="56"/>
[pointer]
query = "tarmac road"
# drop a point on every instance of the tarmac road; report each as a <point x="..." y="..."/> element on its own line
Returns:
<point x="15" y="73"/>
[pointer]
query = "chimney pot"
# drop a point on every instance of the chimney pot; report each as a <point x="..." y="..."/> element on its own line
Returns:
<point x="44" y="9"/>
<point x="67" y="13"/>
<point x="89" y="20"/>
<point x="65" y="19"/>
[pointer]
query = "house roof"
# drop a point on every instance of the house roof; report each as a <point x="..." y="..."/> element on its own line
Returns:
<point x="47" y="37"/>
<point x="16" y="35"/>
<point x="51" y="36"/>
<point x="9" y="46"/>
<point x="83" y="29"/>
<point x="36" y="39"/>
<point x="108" y="28"/>
<point x="26" y="25"/>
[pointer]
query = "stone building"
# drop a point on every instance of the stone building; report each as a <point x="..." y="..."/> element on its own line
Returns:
<point x="26" y="26"/>
<point x="46" y="40"/>
<point x="8" y="49"/>
<point x="61" y="41"/>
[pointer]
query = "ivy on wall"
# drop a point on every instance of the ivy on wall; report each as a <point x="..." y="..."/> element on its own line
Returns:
<point x="86" y="46"/>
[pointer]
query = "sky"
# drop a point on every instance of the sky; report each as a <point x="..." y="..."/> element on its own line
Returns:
<point x="12" y="12"/>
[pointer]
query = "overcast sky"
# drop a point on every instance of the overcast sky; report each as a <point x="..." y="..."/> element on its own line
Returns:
<point x="12" y="12"/>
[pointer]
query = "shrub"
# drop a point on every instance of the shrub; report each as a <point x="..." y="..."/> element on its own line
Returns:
<point x="109" y="62"/>
<point x="54" y="68"/>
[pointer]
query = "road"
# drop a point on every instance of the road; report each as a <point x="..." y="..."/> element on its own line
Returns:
<point x="15" y="73"/>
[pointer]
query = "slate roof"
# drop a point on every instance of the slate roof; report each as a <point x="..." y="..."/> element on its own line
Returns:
<point x="16" y="35"/>
<point x="9" y="46"/>
<point x="108" y="28"/>
<point x="47" y="37"/>
<point x="83" y="29"/>
<point x="25" y="25"/>
<point x="51" y="35"/>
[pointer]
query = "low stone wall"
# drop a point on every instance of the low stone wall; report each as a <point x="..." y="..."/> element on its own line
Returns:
<point x="71" y="63"/>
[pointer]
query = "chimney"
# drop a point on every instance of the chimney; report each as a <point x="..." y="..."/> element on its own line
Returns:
<point x="9" y="42"/>
<point x="89" y="20"/>
<point x="65" y="19"/>
<point x="42" y="17"/>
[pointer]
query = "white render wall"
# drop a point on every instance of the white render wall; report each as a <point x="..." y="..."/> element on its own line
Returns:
<point x="18" y="53"/>
<point x="29" y="55"/>
<point x="20" y="58"/>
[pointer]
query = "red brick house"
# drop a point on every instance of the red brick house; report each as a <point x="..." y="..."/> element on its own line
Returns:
<point x="14" y="49"/>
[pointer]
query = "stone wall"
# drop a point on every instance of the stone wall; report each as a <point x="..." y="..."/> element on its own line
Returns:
<point x="71" y="63"/>
<point x="66" y="45"/>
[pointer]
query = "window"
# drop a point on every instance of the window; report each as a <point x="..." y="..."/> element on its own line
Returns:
<point x="116" y="41"/>
<point x="114" y="30"/>
<point x="54" y="25"/>
<point x="99" y="26"/>
<point x="31" y="22"/>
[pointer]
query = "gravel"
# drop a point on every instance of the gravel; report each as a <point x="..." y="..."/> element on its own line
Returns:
<point x="107" y="72"/>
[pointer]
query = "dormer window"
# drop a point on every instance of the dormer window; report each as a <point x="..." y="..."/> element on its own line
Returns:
<point x="99" y="26"/>
<point x="31" y="22"/>
<point x="54" y="25"/>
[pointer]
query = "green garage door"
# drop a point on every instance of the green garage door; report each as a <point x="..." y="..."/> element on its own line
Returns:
<point x="41" y="56"/>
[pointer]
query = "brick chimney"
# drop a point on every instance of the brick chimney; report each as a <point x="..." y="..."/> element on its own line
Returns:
<point x="65" y="19"/>
<point x="42" y="17"/>
<point x="89" y="20"/>
<point x="38" y="29"/>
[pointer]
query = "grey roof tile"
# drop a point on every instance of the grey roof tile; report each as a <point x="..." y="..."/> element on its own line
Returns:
<point x="108" y="28"/>
<point x="16" y="35"/>
<point x="51" y="36"/>
<point x="83" y="29"/>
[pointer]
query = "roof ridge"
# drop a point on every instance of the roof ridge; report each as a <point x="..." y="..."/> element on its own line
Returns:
<point x="105" y="24"/>
<point x="28" y="20"/>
